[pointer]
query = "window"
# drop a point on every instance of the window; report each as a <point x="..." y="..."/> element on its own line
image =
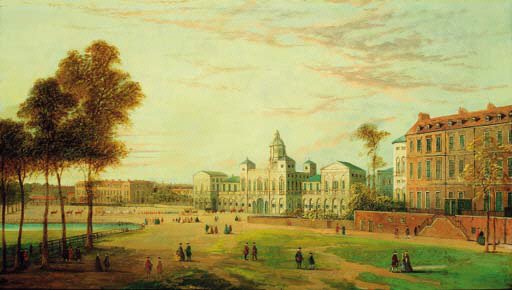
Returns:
<point x="500" y="168"/>
<point x="499" y="137"/>
<point x="461" y="194"/>
<point x="438" y="168"/>
<point x="429" y="144"/>
<point x="438" y="143"/>
<point x="487" y="138"/>
<point x="451" y="168"/>
<point x="450" y="194"/>
<point x="326" y="186"/>
<point x="427" y="165"/>
<point x="427" y="199"/>
<point x="411" y="201"/>
<point x="419" y="170"/>
<point x="438" y="199"/>
<point x="411" y="170"/>
<point x="418" y="199"/>
<point x="411" y="146"/>
<point x="418" y="145"/>
<point x="486" y="201"/>
<point x="450" y="142"/>
<point x="461" y="166"/>
<point x="335" y="185"/>
<point x="462" y="141"/>
<point x="509" y="167"/>
<point x="305" y="186"/>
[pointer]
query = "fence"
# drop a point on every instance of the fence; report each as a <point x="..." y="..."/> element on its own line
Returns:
<point x="55" y="247"/>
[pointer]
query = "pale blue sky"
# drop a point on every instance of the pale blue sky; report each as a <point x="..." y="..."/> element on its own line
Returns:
<point x="221" y="76"/>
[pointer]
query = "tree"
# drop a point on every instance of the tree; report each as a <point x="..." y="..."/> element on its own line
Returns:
<point x="485" y="174"/>
<point x="106" y="95"/>
<point x="361" y="198"/>
<point x="45" y="110"/>
<point x="23" y="164"/>
<point x="372" y="137"/>
<point x="8" y="143"/>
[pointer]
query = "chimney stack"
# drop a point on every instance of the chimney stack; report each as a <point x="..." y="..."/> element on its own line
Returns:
<point x="423" y="116"/>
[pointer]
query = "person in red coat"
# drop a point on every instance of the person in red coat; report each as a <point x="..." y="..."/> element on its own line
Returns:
<point x="254" y="252"/>
<point x="148" y="266"/>
<point x="246" y="251"/>
<point x="337" y="228"/>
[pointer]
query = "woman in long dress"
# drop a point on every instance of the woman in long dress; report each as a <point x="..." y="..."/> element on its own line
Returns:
<point x="407" y="262"/>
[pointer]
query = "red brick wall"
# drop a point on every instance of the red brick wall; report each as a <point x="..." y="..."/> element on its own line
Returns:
<point x="298" y="222"/>
<point x="503" y="227"/>
<point x="386" y="222"/>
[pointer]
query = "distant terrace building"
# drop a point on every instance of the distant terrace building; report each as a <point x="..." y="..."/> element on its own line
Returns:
<point x="115" y="191"/>
<point x="438" y="151"/>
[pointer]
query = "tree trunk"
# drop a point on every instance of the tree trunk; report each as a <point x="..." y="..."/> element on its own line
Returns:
<point x="4" y="200"/>
<point x="494" y="233"/>
<point x="22" y="219"/>
<point x="487" y="222"/>
<point x="44" y="250"/>
<point x="62" y="213"/>
<point x="90" y="196"/>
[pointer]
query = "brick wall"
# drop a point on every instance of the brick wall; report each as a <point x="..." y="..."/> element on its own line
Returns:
<point x="386" y="222"/>
<point x="477" y="223"/>
<point x="299" y="222"/>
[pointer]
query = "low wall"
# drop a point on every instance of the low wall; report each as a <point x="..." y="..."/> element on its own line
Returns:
<point x="300" y="222"/>
<point x="475" y="224"/>
<point x="386" y="222"/>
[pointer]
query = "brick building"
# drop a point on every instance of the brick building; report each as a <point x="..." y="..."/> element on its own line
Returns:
<point x="116" y="191"/>
<point x="437" y="152"/>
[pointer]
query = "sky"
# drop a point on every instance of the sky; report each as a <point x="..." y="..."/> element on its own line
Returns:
<point x="221" y="76"/>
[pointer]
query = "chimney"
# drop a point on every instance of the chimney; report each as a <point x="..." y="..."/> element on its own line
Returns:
<point x="491" y="106"/>
<point x="462" y="111"/>
<point x="423" y="116"/>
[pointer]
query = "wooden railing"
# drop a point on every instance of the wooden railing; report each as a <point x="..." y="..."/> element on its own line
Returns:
<point x="55" y="247"/>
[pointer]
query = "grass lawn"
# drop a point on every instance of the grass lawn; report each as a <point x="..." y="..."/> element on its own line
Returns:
<point x="35" y="237"/>
<point x="452" y="268"/>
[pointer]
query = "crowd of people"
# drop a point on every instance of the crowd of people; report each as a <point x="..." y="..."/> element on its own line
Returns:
<point x="155" y="221"/>
<point x="401" y="265"/>
<point x="186" y="220"/>
<point x="210" y="229"/>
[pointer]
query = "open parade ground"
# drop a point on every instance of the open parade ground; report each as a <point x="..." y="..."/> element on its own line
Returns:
<point x="356" y="260"/>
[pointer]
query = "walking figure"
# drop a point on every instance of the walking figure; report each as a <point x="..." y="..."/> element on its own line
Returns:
<point x="70" y="253"/>
<point x="159" y="268"/>
<point x="106" y="263"/>
<point x="216" y="230"/>
<point x="299" y="258"/>
<point x="407" y="233"/>
<point x="254" y="252"/>
<point x="230" y="229"/>
<point x="78" y="255"/>
<point x="98" y="266"/>
<point x="343" y="230"/>
<point x="406" y="260"/>
<point x="394" y="262"/>
<point x="246" y="251"/>
<point x="311" y="261"/>
<point x="188" y="251"/>
<point x="337" y="228"/>
<point x="148" y="266"/>
<point x="206" y="228"/>
<point x="181" y="253"/>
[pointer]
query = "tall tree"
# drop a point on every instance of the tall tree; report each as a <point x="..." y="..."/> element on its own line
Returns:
<point x="45" y="110"/>
<point x="485" y="173"/>
<point x="372" y="137"/>
<point x="24" y="164"/>
<point x="106" y="95"/>
<point x="8" y="142"/>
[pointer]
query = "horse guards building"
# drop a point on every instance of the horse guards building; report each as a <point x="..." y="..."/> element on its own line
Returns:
<point x="278" y="187"/>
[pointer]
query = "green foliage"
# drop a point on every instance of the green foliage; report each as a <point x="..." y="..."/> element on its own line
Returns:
<point x="363" y="199"/>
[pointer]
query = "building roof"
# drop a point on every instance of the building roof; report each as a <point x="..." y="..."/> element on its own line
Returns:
<point x="232" y="179"/>
<point x="247" y="161"/>
<point x="277" y="139"/>
<point x="399" y="140"/>
<point x="309" y="162"/>
<point x="463" y="119"/>
<point x="351" y="166"/>
<point x="315" y="178"/>
<point x="216" y="173"/>
<point x="387" y="170"/>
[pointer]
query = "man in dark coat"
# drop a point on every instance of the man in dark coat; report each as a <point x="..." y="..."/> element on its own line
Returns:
<point x="98" y="266"/>
<point x="407" y="233"/>
<point x="311" y="261"/>
<point x="254" y="255"/>
<point x="106" y="263"/>
<point x="206" y="228"/>
<point x="188" y="252"/>
<point x="394" y="262"/>
<point x="246" y="251"/>
<point x="299" y="258"/>
<point x="181" y="253"/>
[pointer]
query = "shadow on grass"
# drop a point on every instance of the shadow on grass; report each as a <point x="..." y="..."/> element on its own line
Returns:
<point x="192" y="279"/>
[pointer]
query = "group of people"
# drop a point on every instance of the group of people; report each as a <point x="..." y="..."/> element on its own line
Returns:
<point x="401" y="265"/>
<point x="228" y="229"/>
<point x="299" y="258"/>
<point x="155" y="221"/>
<point x="148" y="267"/>
<point x="407" y="232"/>
<point x="254" y="252"/>
<point x="343" y="229"/>
<point x="102" y="267"/>
<point x="211" y="229"/>
<point x="71" y="254"/>
<point x="184" y="255"/>
<point x="186" y="219"/>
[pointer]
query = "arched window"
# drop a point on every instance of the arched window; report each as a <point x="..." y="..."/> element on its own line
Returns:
<point x="398" y="166"/>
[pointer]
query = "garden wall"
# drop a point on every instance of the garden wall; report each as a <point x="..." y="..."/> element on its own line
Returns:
<point x="386" y="222"/>
<point x="300" y="222"/>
